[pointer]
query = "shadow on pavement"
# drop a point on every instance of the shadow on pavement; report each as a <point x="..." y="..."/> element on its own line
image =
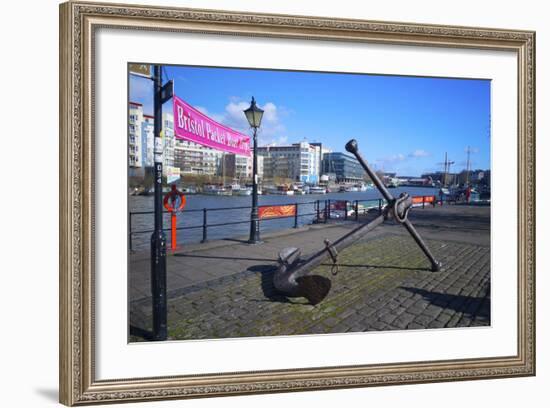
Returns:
<point x="139" y="332"/>
<point x="404" y="268"/>
<point x="266" y="273"/>
<point x="473" y="306"/>
<point x="443" y="220"/>
<point x="231" y="258"/>
<point x="242" y="241"/>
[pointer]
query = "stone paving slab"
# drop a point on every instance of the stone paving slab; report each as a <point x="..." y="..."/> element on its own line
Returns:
<point x="376" y="289"/>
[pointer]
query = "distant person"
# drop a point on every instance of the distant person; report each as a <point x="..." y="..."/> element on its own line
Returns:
<point x="468" y="194"/>
<point x="441" y="194"/>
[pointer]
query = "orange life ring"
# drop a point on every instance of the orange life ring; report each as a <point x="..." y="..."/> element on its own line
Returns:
<point x="173" y="194"/>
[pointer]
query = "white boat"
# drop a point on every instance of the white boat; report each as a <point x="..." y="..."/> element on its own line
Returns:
<point x="188" y="190"/>
<point x="364" y="187"/>
<point x="215" y="190"/>
<point x="351" y="189"/>
<point x="317" y="190"/>
<point x="279" y="190"/>
<point x="238" y="190"/>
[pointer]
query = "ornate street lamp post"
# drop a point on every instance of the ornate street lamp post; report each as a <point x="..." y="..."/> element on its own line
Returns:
<point x="254" y="116"/>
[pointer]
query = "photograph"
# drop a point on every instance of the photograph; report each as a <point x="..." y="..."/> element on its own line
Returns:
<point x="266" y="202"/>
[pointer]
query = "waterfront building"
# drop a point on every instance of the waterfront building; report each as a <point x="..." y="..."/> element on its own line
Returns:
<point x="168" y="142"/>
<point x="344" y="167"/>
<point x="147" y="140"/>
<point x="195" y="159"/>
<point x="135" y="119"/>
<point x="297" y="162"/>
<point x="240" y="167"/>
<point x="141" y="141"/>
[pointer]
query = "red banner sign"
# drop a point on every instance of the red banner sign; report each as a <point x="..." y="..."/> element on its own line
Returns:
<point x="192" y="125"/>
<point x="423" y="199"/>
<point x="271" y="211"/>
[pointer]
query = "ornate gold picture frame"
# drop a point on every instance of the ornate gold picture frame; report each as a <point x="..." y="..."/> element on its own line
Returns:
<point x="79" y="23"/>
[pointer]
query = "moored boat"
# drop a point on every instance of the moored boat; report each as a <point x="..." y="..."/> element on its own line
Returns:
<point x="317" y="190"/>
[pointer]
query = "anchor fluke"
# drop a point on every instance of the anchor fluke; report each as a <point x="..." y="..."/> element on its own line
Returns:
<point x="289" y="281"/>
<point x="313" y="287"/>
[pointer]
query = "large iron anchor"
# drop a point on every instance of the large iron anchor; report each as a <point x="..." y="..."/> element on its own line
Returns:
<point x="292" y="277"/>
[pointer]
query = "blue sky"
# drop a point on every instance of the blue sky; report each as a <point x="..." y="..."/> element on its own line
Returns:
<point x="403" y="124"/>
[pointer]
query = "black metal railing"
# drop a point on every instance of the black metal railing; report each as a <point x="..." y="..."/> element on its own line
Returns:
<point x="323" y="211"/>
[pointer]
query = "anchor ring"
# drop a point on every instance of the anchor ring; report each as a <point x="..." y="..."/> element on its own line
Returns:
<point x="401" y="216"/>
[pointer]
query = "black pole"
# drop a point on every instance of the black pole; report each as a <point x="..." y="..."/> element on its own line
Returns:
<point x="130" y="231"/>
<point x="158" y="239"/>
<point x="318" y="212"/>
<point x="346" y="211"/>
<point x="296" y="215"/>
<point x="204" y="225"/>
<point x="254" y="222"/>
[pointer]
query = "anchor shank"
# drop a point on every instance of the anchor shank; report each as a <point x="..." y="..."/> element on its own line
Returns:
<point x="351" y="147"/>
<point x="343" y="242"/>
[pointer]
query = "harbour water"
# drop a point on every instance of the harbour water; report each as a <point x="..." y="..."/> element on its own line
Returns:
<point x="229" y="209"/>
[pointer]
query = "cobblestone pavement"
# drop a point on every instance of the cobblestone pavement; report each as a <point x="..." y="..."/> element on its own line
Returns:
<point x="384" y="284"/>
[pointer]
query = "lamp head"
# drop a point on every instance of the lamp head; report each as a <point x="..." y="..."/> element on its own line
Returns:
<point x="254" y="114"/>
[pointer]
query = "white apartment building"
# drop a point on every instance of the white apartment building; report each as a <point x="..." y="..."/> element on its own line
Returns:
<point x="147" y="140"/>
<point x="240" y="167"/>
<point x="141" y="140"/>
<point x="196" y="159"/>
<point x="298" y="162"/>
<point x="168" y="141"/>
<point x="135" y="143"/>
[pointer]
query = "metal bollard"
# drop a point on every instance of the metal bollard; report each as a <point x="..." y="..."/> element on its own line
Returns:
<point x="346" y="211"/>
<point x="130" y="232"/>
<point x="317" y="209"/>
<point x="204" y="226"/>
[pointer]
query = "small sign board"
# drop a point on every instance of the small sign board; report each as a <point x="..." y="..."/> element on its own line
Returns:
<point x="172" y="174"/>
<point x="143" y="70"/>
<point x="167" y="91"/>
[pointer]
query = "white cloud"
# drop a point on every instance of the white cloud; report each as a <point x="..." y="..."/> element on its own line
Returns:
<point x="202" y="109"/>
<point x="141" y="91"/>
<point x="391" y="163"/>
<point x="419" y="153"/>
<point x="394" y="158"/>
<point x="271" y="131"/>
